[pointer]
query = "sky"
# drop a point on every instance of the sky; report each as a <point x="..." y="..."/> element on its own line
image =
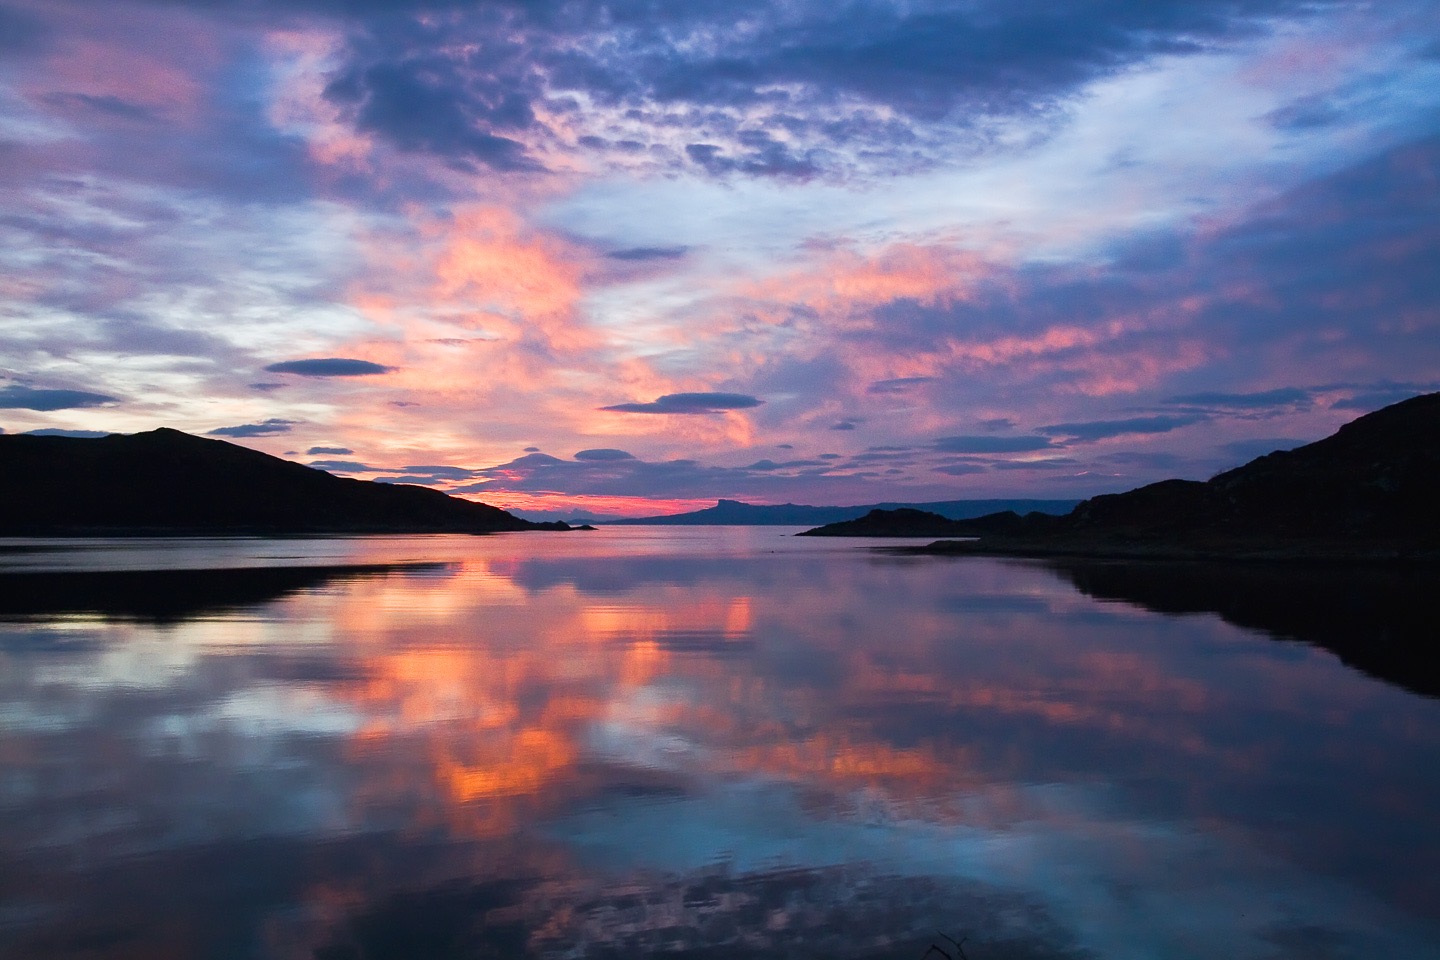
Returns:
<point x="629" y="257"/>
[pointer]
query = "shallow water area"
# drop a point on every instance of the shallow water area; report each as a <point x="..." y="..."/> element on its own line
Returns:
<point x="698" y="742"/>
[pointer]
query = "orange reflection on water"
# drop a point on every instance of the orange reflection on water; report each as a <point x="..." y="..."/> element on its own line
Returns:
<point x="729" y="617"/>
<point x="512" y="690"/>
<point x="491" y="692"/>
<point x="839" y="758"/>
<point x="474" y="724"/>
<point x="523" y="763"/>
<point x="480" y="705"/>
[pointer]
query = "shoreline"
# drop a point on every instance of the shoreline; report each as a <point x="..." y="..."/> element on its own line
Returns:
<point x="1292" y="553"/>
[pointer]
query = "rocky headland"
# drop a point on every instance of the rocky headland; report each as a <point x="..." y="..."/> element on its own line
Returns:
<point x="1370" y="492"/>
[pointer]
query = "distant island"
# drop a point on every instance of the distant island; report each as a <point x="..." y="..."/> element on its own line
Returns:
<point x="165" y="482"/>
<point x="1369" y="492"/>
<point x="736" y="513"/>
<point x="910" y="522"/>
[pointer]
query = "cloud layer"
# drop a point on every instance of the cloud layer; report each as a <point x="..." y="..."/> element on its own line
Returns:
<point x="874" y="251"/>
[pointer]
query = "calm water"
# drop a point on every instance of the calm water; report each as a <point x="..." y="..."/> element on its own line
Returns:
<point x="705" y="742"/>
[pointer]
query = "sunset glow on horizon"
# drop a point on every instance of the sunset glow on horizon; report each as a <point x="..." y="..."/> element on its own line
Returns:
<point x="621" y="258"/>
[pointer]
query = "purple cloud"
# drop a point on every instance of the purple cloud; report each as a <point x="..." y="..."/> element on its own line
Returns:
<point x="440" y="471"/>
<point x="266" y="428"/>
<point x="342" y="466"/>
<point x="689" y="403"/>
<point x="961" y="469"/>
<point x="78" y="434"/>
<point x="329" y="367"/>
<point x="29" y="398"/>
<point x="897" y="385"/>
<point x="477" y="83"/>
<point x="1282" y="397"/>
<point x="110" y="106"/>
<point x="648" y="253"/>
<point x="991" y="444"/>
<point x="761" y="481"/>
<point x="768" y="466"/>
<point x="1369" y="400"/>
<point x="432" y="104"/>
<point x="1104" y="429"/>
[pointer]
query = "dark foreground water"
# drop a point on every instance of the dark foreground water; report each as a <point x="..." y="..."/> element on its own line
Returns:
<point x="717" y="743"/>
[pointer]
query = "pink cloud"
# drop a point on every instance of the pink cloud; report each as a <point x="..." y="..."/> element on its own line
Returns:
<point x="156" y="60"/>
<point x="491" y="263"/>
<point x="844" y="282"/>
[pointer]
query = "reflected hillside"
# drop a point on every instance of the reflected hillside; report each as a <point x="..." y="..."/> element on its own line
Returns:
<point x="171" y="595"/>
<point x="1382" y="622"/>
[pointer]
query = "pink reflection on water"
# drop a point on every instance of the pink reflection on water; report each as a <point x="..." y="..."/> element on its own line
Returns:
<point x="567" y="709"/>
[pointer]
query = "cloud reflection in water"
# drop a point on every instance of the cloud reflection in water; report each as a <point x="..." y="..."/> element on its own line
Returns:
<point x="653" y="738"/>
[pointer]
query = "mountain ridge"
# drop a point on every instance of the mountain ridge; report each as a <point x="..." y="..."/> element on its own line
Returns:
<point x="1370" y="491"/>
<point x="167" y="482"/>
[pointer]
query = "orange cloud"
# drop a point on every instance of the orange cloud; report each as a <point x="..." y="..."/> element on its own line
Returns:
<point x="490" y="262"/>
<point x="485" y="319"/>
<point x="845" y="283"/>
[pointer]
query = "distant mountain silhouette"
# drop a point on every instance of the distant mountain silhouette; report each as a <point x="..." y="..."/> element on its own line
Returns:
<point x="1370" y="491"/>
<point x="168" y="482"/>
<point x="735" y="513"/>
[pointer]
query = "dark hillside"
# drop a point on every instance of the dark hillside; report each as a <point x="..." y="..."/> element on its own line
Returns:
<point x="1371" y="491"/>
<point x="165" y="481"/>
<point x="1377" y="479"/>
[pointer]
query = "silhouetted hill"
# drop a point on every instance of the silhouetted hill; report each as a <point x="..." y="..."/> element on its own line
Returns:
<point x="1370" y="491"/>
<point x="735" y="513"/>
<point x="906" y="522"/>
<point x="1377" y="477"/>
<point x="169" y="482"/>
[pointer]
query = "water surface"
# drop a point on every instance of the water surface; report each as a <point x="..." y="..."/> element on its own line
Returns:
<point x="705" y="742"/>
